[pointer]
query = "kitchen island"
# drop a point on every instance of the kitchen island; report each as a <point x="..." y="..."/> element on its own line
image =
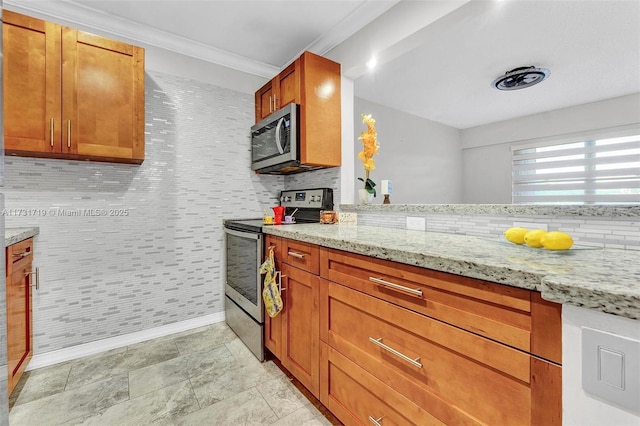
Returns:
<point x="599" y="288"/>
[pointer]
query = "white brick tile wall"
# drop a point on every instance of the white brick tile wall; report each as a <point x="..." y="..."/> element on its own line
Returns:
<point x="104" y="276"/>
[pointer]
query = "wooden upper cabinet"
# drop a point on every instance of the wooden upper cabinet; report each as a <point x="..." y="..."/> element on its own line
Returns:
<point x="103" y="97"/>
<point x="31" y="79"/>
<point x="320" y="116"/>
<point x="288" y="83"/>
<point x="71" y="94"/>
<point x="264" y="101"/>
<point x="278" y="92"/>
<point x="313" y="82"/>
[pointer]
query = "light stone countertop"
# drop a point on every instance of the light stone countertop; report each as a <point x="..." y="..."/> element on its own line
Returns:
<point x="15" y="235"/>
<point x="606" y="280"/>
<point x="627" y="210"/>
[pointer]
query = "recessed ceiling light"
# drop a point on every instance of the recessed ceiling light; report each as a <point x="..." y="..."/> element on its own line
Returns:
<point x="519" y="78"/>
<point x="372" y="63"/>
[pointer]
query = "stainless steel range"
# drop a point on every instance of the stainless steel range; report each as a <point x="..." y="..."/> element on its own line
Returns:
<point x="244" y="242"/>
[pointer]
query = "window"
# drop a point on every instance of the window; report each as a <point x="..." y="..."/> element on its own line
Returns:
<point x="603" y="170"/>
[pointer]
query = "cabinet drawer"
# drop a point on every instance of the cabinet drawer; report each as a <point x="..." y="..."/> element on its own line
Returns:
<point x="356" y="397"/>
<point x="19" y="255"/>
<point x="459" y="377"/>
<point x="496" y="311"/>
<point x="301" y="255"/>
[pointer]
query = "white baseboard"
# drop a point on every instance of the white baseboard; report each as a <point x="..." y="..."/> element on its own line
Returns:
<point x="67" y="354"/>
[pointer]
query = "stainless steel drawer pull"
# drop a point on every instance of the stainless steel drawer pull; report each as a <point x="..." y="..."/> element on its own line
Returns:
<point x="294" y="254"/>
<point x="378" y="342"/>
<point x="37" y="274"/>
<point x="68" y="133"/>
<point x="21" y="255"/>
<point x="51" y="124"/>
<point x="275" y="102"/>
<point x="279" y="273"/>
<point x="415" y="291"/>
<point x="376" y="422"/>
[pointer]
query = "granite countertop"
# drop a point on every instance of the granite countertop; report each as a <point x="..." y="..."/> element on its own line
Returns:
<point x="15" y="235"/>
<point x="624" y="211"/>
<point x="606" y="280"/>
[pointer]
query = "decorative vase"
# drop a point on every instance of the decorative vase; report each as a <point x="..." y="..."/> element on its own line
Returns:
<point x="364" y="196"/>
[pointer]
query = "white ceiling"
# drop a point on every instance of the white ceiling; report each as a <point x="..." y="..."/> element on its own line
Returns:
<point x="592" y="49"/>
<point x="436" y="58"/>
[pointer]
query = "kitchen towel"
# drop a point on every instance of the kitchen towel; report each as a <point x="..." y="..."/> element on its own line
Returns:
<point x="271" y="293"/>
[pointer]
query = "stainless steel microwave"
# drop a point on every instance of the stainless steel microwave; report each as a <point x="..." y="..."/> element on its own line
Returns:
<point x="274" y="142"/>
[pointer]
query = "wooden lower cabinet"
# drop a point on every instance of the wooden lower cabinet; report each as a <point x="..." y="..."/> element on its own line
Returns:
<point x="300" y="326"/>
<point x="464" y="352"/>
<point x="457" y="376"/>
<point x="356" y="397"/>
<point x="19" y="319"/>
<point x="293" y="336"/>
<point x="273" y="326"/>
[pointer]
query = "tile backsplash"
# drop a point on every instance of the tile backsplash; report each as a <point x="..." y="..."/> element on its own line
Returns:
<point x="125" y="248"/>
<point x="609" y="232"/>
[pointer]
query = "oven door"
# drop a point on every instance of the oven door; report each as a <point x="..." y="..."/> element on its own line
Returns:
<point x="244" y="252"/>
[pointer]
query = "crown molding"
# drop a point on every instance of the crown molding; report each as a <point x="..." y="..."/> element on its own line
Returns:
<point x="87" y="18"/>
<point x="93" y="20"/>
<point x="351" y="24"/>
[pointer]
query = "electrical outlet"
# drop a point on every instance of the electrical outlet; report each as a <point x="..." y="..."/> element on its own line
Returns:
<point x="417" y="223"/>
<point x="349" y="218"/>
<point x="531" y="225"/>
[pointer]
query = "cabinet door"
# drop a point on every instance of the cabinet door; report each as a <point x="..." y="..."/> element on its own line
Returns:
<point x="19" y="336"/>
<point x="287" y="86"/>
<point x="320" y="113"/>
<point x="278" y="92"/>
<point x="300" y="354"/>
<point x="273" y="326"/>
<point x="264" y="101"/>
<point x="103" y="97"/>
<point x="31" y="78"/>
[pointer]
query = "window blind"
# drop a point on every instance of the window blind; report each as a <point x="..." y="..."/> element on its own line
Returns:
<point x="595" y="171"/>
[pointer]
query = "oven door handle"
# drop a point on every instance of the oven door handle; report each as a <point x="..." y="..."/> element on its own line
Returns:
<point x="249" y="235"/>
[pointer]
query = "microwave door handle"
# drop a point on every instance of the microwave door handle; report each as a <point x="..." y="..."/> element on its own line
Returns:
<point x="278" y="142"/>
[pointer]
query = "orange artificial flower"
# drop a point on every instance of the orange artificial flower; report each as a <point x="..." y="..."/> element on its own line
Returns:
<point x="370" y="147"/>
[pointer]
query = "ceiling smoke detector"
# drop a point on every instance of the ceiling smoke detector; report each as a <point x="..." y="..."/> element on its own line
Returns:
<point x="519" y="78"/>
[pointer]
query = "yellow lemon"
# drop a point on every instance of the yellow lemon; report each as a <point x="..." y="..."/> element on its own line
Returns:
<point x="556" y="240"/>
<point x="515" y="235"/>
<point x="532" y="238"/>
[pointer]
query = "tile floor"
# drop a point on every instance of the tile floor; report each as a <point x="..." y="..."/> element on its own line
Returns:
<point x="204" y="376"/>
